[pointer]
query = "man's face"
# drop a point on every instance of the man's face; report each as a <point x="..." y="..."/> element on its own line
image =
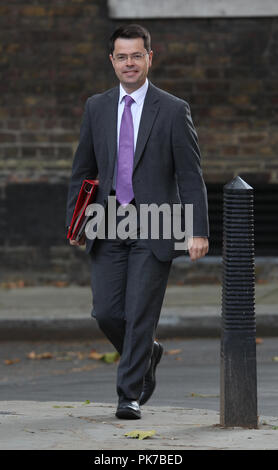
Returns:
<point x="133" y="70"/>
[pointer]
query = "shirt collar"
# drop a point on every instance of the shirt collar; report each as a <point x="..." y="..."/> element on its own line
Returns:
<point x="137" y="95"/>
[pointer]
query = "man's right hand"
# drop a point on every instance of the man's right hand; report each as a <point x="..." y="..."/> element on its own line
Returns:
<point x="80" y="242"/>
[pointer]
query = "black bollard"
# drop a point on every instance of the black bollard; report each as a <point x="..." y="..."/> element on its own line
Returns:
<point x="238" y="375"/>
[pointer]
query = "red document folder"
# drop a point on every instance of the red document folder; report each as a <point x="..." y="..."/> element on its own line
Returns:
<point x="86" y="196"/>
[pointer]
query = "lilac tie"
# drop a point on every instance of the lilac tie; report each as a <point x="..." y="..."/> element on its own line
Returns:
<point x="124" y="191"/>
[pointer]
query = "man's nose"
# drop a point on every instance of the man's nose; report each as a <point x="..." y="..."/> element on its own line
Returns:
<point x="130" y="60"/>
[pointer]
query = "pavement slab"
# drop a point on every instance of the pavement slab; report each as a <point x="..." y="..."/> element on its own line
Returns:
<point x="30" y="425"/>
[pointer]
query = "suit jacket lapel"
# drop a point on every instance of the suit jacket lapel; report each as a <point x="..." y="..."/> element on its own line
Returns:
<point x="111" y="119"/>
<point x="149" y="113"/>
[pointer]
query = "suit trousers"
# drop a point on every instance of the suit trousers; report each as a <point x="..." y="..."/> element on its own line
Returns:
<point x="128" y="286"/>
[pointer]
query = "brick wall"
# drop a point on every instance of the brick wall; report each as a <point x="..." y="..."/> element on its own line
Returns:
<point x="54" y="55"/>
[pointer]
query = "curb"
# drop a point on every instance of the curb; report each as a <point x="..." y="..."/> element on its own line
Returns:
<point x="84" y="328"/>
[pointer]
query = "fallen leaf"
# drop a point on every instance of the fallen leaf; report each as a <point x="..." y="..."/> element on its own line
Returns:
<point x="60" y="283"/>
<point x="13" y="284"/>
<point x="173" y="351"/>
<point x="275" y="358"/>
<point x="95" y="355"/>
<point x="106" y="357"/>
<point x="8" y="362"/>
<point x="110" y="357"/>
<point x="45" y="355"/>
<point x="64" y="358"/>
<point x="69" y="355"/>
<point x="259" y="340"/>
<point x="80" y="355"/>
<point x="137" y="434"/>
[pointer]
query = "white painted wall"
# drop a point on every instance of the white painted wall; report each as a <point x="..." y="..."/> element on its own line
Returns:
<point x="191" y="8"/>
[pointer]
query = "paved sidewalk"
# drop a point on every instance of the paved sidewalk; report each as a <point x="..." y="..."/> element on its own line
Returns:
<point x="74" y="425"/>
<point x="49" y="312"/>
<point x="64" y="312"/>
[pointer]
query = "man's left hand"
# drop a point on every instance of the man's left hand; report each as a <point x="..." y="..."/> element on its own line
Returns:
<point x="81" y="242"/>
<point x="198" y="247"/>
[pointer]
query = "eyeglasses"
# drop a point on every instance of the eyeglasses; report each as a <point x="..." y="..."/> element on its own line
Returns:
<point x="124" y="57"/>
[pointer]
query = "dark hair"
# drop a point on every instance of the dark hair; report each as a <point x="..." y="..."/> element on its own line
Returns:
<point x="129" y="32"/>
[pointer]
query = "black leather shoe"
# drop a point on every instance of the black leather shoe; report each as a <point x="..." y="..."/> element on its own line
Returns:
<point x="128" y="410"/>
<point x="149" y="379"/>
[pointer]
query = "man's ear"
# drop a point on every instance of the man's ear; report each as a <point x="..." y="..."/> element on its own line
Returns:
<point x="150" y="58"/>
<point x="111" y="58"/>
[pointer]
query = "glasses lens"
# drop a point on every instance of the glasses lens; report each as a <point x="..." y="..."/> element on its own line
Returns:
<point x="136" y="57"/>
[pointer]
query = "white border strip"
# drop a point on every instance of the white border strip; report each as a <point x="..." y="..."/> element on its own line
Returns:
<point x="191" y="8"/>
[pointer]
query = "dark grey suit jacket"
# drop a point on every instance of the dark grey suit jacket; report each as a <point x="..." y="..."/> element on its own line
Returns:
<point x="166" y="162"/>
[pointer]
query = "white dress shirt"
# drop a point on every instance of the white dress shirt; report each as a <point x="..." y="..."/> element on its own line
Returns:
<point x="136" y="111"/>
<point x="136" y="108"/>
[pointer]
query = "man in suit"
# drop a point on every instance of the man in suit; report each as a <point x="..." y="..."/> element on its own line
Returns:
<point x="140" y="143"/>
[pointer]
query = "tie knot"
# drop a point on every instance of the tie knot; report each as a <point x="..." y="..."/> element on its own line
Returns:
<point x="128" y="100"/>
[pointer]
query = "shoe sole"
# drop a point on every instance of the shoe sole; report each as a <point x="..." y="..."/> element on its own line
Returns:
<point x="156" y="364"/>
<point x="159" y="356"/>
<point x="128" y="414"/>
